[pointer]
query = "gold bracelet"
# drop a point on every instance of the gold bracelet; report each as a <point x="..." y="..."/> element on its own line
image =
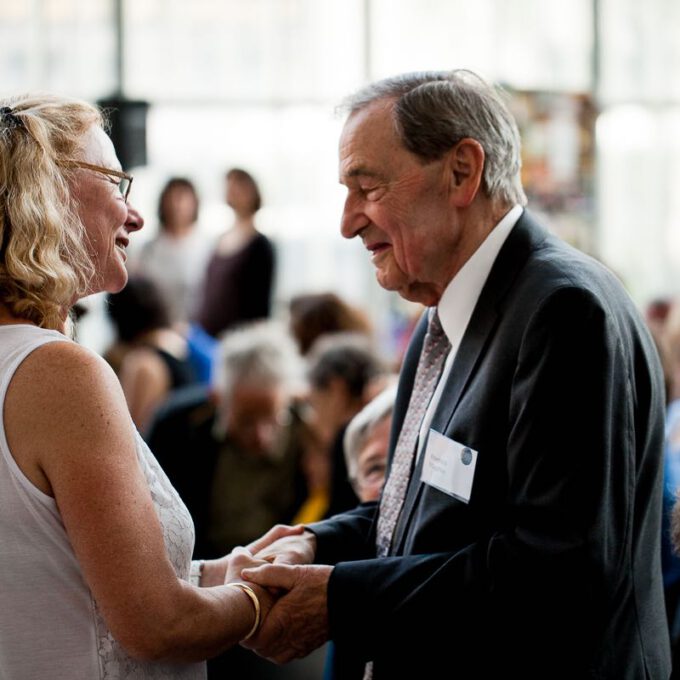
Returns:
<point x="256" y="603"/>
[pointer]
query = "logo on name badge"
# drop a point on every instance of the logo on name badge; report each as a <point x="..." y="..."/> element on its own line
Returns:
<point x="466" y="456"/>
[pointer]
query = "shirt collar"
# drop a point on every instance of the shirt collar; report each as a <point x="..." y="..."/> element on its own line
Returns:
<point x="460" y="296"/>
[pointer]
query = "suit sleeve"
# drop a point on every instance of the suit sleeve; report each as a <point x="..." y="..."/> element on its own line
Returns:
<point x="348" y="536"/>
<point x="579" y="411"/>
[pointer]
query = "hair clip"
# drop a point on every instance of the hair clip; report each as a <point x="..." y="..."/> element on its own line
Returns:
<point x="10" y="119"/>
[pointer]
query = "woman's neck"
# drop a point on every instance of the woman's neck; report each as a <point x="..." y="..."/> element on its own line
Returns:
<point x="7" y="318"/>
<point x="244" y="223"/>
<point x="178" y="231"/>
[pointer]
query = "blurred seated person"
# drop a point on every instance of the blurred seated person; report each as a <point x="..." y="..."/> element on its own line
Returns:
<point x="656" y="314"/>
<point x="669" y="348"/>
<point x="238" y="280"/>
<point x="342" y="372"/>
<point x="232" y="452"/>
<point x="150" y="357"/>
<point x="315" y="314"/>
<point x="175" y="259"/>
<point x="366" y="442"/>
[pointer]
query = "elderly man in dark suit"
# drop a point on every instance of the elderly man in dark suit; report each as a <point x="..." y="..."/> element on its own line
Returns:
<point x="518" y="530"/>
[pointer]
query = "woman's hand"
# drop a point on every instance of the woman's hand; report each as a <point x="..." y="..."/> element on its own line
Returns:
<point x="239" y="559"/>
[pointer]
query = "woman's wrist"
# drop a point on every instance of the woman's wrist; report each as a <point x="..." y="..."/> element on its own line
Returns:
<point x="196" y="572"/>
<point x="255" y="601"/>
<point x="214" y="572"/>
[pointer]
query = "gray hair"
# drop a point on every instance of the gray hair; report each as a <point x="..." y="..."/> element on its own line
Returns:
<point x="261" y="353"/>
<point x="363" y="424"/>
<point x="434" y="110"/>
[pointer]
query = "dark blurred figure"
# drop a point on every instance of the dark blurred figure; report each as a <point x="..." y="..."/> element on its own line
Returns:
<point x="315" y="314"/>
<point x="175" y="259"/>
<point x="344" y="373"/>
<point x="656" y="314"/>
<point x="149" y="356"/>
<point x="232" y="452"/>
<point x="668" y="342"/>
<point x="240" y="274"/>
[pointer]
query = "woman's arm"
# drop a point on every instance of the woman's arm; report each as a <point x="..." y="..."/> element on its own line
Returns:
<point x="70" y="432"/>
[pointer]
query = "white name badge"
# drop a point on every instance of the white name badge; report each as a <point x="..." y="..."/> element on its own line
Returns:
<point x="449" y="466"/>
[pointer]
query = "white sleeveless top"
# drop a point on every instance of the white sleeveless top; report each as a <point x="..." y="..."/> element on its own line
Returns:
<point x="50" y="626"/>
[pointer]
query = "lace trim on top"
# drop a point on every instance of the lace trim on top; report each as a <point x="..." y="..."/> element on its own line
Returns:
<point x="178" y="534"/>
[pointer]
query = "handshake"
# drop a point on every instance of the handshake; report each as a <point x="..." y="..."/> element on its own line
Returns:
<point x="290" y="590"/>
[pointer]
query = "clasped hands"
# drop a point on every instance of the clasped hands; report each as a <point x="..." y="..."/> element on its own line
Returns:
<point x="291" y="590"/>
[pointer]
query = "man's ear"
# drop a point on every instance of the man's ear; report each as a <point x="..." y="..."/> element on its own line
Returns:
<point x="466" y="166"/>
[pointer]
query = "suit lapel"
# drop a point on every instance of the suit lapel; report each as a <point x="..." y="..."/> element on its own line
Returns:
<point x="524" y="237"/>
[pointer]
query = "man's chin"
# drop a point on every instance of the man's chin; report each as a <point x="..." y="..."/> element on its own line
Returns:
<point x="414" y="291"/>
<point x="389" y="281"/>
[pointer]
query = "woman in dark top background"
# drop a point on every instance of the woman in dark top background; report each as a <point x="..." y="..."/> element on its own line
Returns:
<point x="149" y="356"/>
<point x="239" y="276"/>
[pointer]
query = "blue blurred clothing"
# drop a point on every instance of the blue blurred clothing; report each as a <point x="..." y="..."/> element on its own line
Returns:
<point x="202" y="351"/>
<point x="670" y="561"/>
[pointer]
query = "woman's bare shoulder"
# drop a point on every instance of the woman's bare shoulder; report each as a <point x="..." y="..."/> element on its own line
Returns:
<point x="62" y="390"/>
<point x="64" y="409"/>
<point x="63" y="369"/>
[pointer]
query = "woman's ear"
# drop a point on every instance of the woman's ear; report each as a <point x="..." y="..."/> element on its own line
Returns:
<point x="466" y="167"/>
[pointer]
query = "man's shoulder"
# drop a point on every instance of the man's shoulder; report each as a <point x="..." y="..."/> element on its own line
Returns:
<point x="552" y="264"/>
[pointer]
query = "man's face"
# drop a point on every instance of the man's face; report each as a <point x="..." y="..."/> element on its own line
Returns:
<point x="372" y="462"/>
<point x="255" y="416"/>
<point x="398" y="205"/>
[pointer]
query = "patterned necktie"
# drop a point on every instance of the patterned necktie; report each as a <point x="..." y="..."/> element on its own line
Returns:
<point x="435" y="348"/>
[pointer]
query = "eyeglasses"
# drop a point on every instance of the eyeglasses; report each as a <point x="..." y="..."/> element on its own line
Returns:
<point x="124" y="180"/>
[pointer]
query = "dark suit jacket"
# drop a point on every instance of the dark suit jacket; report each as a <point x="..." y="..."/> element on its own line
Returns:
<point x="552" y="569"/>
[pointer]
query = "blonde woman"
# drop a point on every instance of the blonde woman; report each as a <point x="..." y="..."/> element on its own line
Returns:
<point x="96" y="579"/>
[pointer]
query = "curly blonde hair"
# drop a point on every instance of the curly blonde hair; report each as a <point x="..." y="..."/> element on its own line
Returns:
<point x="44" y="260"/>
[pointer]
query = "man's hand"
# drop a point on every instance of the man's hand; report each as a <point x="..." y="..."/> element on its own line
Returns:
<point x="285" y="545"/>
<point x="298" y="622"/>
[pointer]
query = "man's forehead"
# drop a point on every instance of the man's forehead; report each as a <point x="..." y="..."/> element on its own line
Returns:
<point x="366" y="133"/>
<point x="367" y="121"/>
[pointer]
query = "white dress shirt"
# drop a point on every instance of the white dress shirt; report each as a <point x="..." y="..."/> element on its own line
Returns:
<point x="459" y="299"/>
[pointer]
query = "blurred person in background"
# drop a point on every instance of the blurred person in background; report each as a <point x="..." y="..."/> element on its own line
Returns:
<point x="239" y="277"/>
<point x="315" y="314"/>
<point x="656" y="314"/>
<point x="366" y="444"/>
<point x="344" y="372"/>
<point x="233" y="451"/>
<point x="669" y="349"/>
<point x="175" y="259"/>
<point x="96" y="577"/>
<point x="150" y="357"/>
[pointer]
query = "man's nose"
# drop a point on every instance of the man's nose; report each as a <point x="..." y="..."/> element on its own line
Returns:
<point x="265" y="434"/>
<point x="353" y="219"/>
